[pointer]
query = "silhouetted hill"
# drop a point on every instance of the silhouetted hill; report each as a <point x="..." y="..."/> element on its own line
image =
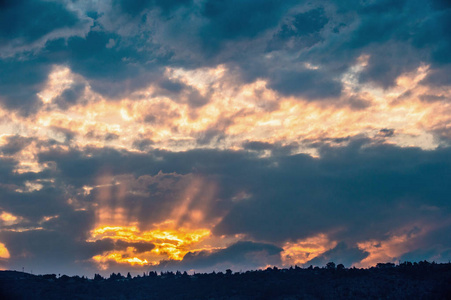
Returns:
<point x="421" y="280"/>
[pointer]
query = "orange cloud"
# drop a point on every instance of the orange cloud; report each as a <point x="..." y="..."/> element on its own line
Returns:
<point x="4" y="253"/>
<point x="302" y="251"/>
<point x="237" y="112"/>
<point x="9" y="219"/>
<point x="170" y="243"/>
<point x="184" y="228"/>
<point x="401" y="241"/>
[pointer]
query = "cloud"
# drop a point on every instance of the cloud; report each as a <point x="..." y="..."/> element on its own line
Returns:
<point x="311" y="84"/>
<point x="386" y="132"/>
<point x="6" y="169"/>
<point x="358" y="188"/>
<point x="343" y="194"/>
<point x="18" y="92"/>
<point x="15" y="144"/>
<point x="438" y="77"/>
<point x="341" y="254"/>
<point x="365" y="184"/>
<point x="237" y="19"/>
<point x="135" y="8"/>
<point x="257" y="39"/>
<point x="266" y="122"/>
<point x="25" y="28"/>
<point x="23" y="22"/>
<point x="241" y="255"/>
<point x="303" y="30"/>
<point x="138" y="246"/>
<point x="70" y="96"/>
<point x="61" y="246"/>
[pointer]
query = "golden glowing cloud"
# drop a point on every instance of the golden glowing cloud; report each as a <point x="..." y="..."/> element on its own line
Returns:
<point x="241" y="112"/>
<point x="400" y="241"/>
<point x="302" y="251"/>
<point x="169" y="243"/>
<point x="383" y="251"/>
<point x="4" y="253"/>
<point x="184" y="229"/>
<point x="238" y="113"/>
<point x="121" y="258"/>
<point x="9" y="219"/>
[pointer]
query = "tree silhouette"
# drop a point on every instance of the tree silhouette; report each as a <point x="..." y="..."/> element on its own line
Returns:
<point x="98" y="277"/>
<point x="330" y="266"/>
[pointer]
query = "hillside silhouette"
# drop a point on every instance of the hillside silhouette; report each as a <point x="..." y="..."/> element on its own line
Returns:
<point x="422" y="280"/>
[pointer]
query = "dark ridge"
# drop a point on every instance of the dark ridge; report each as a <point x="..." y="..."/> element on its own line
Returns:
<point x="422" y="280"/>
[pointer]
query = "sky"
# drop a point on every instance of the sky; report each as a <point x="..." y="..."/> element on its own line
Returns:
<point x="203" y="135"/>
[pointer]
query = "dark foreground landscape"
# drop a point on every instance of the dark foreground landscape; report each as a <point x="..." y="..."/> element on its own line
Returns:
<point x="421" y="280"/>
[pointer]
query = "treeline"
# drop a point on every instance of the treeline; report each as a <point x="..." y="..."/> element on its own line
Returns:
<point x="418" y="280"/>
<point x="405" y="266"/>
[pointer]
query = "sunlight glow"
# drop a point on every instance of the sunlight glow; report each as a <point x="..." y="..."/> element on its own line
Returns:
<point x="8" y="219"/>
<point x="250" y="111"/>
<point x="4" y="253"/>
<point x="302" y="251"/>
<point x="168" y="243"/>
<point x="400" y="241"/>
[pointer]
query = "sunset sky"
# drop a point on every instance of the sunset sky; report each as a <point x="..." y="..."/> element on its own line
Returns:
<point x="203" y="135"/>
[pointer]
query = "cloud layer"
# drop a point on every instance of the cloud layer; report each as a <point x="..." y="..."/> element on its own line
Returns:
<point x="206" y="135"/>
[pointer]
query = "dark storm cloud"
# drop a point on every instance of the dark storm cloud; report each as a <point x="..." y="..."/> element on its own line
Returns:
<point x="44" y="230"/>
<point x="364" y="186"/>
<point x="388" y="61"/>
<point x="276" y="149"/>
<point x="381" y="184"/>
<point x="129" y="45"/>
<point x="352" y="193"/>
<point x="84" y="167"/>
<point x="134" y="8"/>
<point x="20" y="81"/>
<point x="25" y="26"/>
<point x="112" y="71"/>
<point x="143" y="145"/>
<point x="340" y="35"/>
<point x="48" y="201"/>
<point x="301" y="31"/>
<point x="70" y="96"/>
<point x="308" y="83"/>
<point x="6" y="169"/>
<point x="180" y="92"/>
<point x="257" y="146"/>
<point x="439" y="77"/>
<point x="411" y="33"/>
<point x="15" y="144"/>
<point x="60" y="243"/>
<point x="237" y="19"/>
<point x="24" y="22"/>
<point x="398" y="37"/>
<point x="242" y="255"/>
